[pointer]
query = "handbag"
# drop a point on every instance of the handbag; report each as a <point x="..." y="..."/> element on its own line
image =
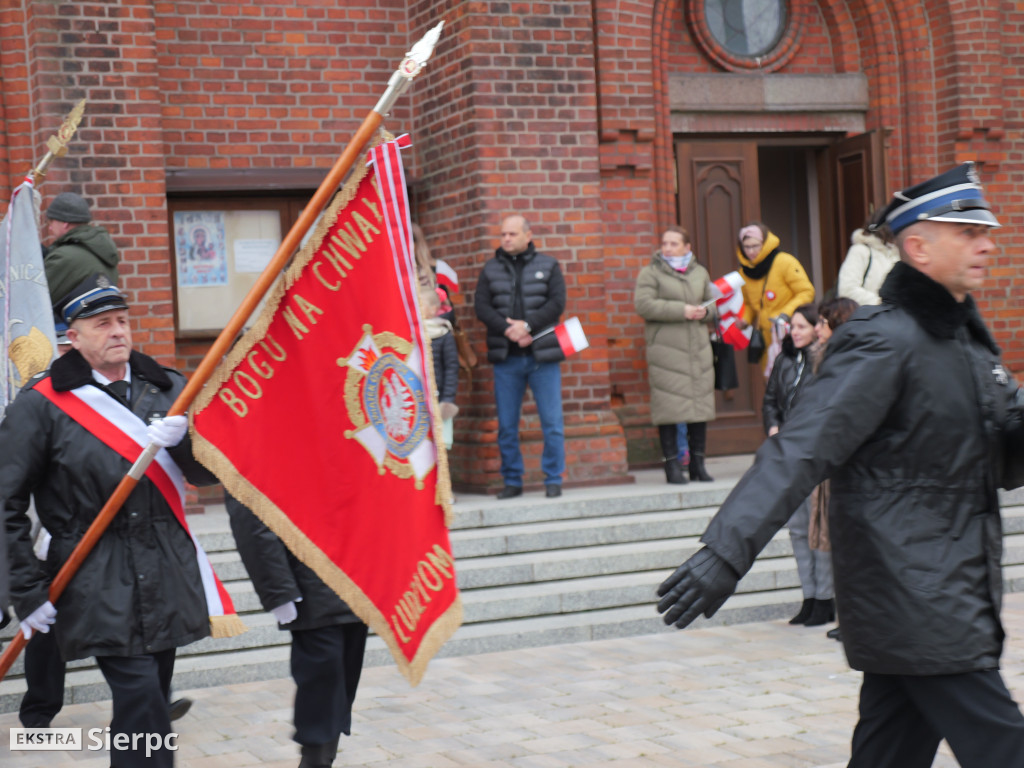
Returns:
<point x="467" y="357"/>
<point x="756" y="347"/>
<point x="726" y="376"/>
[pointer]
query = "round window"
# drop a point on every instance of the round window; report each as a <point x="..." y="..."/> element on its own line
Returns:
<point x="745" y="35"/>
<point x="746" y="27"/>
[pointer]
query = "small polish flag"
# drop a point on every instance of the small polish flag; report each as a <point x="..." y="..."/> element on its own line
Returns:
<point x="447" y="277"/>
<point x="725" y="286"/>
<point x="570" y="336"/>
<point x="731" y="334"/>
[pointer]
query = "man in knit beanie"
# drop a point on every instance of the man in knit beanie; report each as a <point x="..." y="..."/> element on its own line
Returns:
<point x="79" y="249"/>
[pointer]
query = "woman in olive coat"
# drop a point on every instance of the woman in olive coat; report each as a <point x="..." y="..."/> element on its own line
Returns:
<point x="671" y="293"/>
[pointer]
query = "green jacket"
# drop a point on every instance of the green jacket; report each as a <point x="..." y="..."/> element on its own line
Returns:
<point x="77" y="254"/>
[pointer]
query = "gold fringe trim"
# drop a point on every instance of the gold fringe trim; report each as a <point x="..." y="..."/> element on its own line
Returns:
<point x="443" y="490"/>
<point x="438" y="634"/>
<point x="273" y="517"/>
<point x="338" y="581"/>
<point x="228" y="625"/>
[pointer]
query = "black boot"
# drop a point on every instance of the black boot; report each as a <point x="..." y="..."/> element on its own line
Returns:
<point x="697" y="436"/>
<point x="674" y="472"/>
<point x="319" y="756"/>
<point x="823" y="612"/>
<point x="805" y="611"/>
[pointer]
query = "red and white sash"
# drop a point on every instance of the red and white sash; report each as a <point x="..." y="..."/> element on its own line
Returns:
<point x="125" y="433"/>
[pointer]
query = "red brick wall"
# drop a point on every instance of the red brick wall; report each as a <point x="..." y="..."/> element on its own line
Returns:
<point x="557" y="110"/>
<point x="508" y="123"/>
<point x="105" y="53"/>
<point x="274" y="83"/>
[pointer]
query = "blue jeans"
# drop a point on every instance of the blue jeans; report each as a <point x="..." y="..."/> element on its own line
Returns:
<point x="545" y="380"/>
<point x="684" y="445"/>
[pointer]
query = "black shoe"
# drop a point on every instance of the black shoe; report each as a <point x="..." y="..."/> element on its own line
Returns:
<point x="320" y="756"/>
<point x="510" y="492"/>
<point x="179" y="708"/>
<point x="823" y="612"/>
<point x="805" y="611"/>
<point x="835" y="634"/>
<point x="674" y="472"/>
<point x="552" y="490"/>
<point x="697" y="436"/>
<point x="697" y="470"/>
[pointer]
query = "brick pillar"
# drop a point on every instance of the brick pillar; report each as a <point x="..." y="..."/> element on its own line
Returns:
<point x="105" y="53"/>
<point x="509" y="107"/>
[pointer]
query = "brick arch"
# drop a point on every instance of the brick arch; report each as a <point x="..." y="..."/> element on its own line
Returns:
<point x="866" y="36"/>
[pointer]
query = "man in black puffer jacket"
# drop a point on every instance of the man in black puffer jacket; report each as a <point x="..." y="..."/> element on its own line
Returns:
<point x="520" y="294"/>
<point x="328" y="640"/>
<point x="918" y="424"/>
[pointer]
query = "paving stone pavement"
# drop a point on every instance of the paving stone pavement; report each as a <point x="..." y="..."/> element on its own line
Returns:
<point x="762" y="695"/>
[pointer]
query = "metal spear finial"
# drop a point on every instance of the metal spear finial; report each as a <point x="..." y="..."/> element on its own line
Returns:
<point x="58" y="143"/>
<point x="414" y="61"/>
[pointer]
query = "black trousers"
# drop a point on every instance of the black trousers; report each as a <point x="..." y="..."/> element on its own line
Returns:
<point x="140" y="686"/>
<point x="903" y="719"/>
<point x="44" y="676"/>
<point x="326" y="665"/>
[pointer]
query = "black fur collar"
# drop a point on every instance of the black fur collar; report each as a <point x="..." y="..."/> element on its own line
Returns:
<point x="72" y="371"/>
<point x="934" y="307"/>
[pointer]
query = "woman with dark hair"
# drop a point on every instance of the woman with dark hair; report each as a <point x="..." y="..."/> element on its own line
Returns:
<point x="672" y="296"/>
<point x="831" y="314"/>
<point x="793" y="368"/>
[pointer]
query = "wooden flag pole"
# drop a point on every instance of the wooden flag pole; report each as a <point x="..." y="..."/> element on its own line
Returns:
<point x="399" y="82"/>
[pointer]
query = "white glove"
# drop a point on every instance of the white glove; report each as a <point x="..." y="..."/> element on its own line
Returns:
<point x="40" y="620"/>
<point x="287" y="613"/>
<point x="168" y="431"/>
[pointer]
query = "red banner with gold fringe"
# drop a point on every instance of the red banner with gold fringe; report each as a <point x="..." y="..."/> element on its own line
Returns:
<point x="322" y="420"/>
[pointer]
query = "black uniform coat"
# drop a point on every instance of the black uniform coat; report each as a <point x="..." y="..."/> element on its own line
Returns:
<point x="139" y="591"/>
<point x="530" y="287"/>
<point x="279" y="577"/>
<point x="918" y="424"/>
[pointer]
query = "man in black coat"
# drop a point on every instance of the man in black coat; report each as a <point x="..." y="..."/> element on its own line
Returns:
<point x="139" y="594"/>
<point x="918" y="424"/>
<point x="520" y="295"/>
<point x="328" y="640"/>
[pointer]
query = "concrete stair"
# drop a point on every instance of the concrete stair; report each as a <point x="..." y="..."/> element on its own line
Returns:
<point x="532" y="571"/>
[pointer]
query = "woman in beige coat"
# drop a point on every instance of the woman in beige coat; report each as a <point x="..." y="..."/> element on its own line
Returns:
<point x="671" y="295"/>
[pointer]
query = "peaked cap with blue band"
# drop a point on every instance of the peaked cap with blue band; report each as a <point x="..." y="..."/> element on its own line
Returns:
<point x="92" y="296"/>
<point x="954" y="196"/>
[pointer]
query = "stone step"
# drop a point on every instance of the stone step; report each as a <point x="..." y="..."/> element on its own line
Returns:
<point x="600" y="592"/>
<point x="271" y="662"/>
<point x="568" y="534"/>
<point x="568" y="520"/>
<point x="533" y="571"/>
<point x="601" y="560"/>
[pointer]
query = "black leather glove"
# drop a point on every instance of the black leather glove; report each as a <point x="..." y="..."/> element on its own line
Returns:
<point x="700" y="585"/>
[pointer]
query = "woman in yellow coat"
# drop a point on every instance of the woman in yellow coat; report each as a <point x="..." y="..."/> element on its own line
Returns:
<point x="774" y="282"/>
